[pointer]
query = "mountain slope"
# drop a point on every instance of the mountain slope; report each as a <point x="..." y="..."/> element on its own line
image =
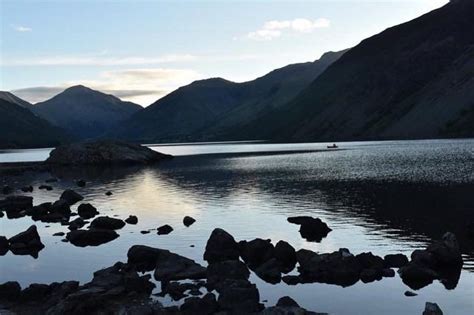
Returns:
<point x="414" y="80"/>
<point x="20" y="128"/>
<point x="216" y="109"/>
<point x="84" y="112"/>
<point x="9" y="97"/>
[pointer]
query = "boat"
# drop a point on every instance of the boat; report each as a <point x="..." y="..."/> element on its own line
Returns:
<point x="334" y="146"/>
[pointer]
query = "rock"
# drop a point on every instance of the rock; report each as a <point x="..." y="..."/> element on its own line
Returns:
<point x="229" y="269"/>
<point x="131" y="219"/>
<point x="164" y="229"/>
<point x="71" y="197"/>
<point x="145" y="232"/>
<point x="107" y="223"/>
<point x="87" y="211"/>
<point x="388" y="273"/>
<point x="45" y="187"/>
<point x="61" y="206"/>
<point x="176" y="290"/>
<point x="59" y="234"/>
<point x="269" y="271"/>
<point x="16" y="203"/>
<point x="35" y="292"/>
<point x="286" y="301"/>
<point x="291" y="280"/>
<point x="256" y="252"/>
<point x="395" y="260"/>
<point x="370" y="275"/>
<point x="188" y="221"/>
<point x="4" y="245"/>
<point x="7" y="190"/>
<point x="103" y="152"/>
<point x="202" y="306"/>
<point x="81" y="183"/>
<point x="417" y="276"/>
<point x="92" y="237"/>
<point x="410" y="294"/>
<point x="169" y="266"/>
<point x="286" y="255"/>
<point x="109" y="193"/>
<point x="369" y="260"/>
<point x="26" y="243"/>
<point x="341" y="267"/>
<point x="432" y="309"/>
<point x="10" y="291"/>
<point x="239" y="297"/>
<point x="221" y="246"/>
<point x="76" y="224"/>
<point x="27" y="189"/>
<point x="311" y="229"/>
<point x="446" y="253"/>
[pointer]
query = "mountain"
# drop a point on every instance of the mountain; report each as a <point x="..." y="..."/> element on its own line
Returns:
<point x="414" y="80"/>
<point x="20" y="128"/>
<point x="9" y="97"/>
<point x="84" y="112"/>
<point x="214" y="109"/>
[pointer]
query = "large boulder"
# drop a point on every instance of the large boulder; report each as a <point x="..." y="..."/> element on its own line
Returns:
<point x="26" y="243"/>
<point x="221" y="246"/>
<point x="104" y="153"/>
<point x="239" y="297"/>
<point x="167" y="265"/>
<point x="92" y="237"/>
<point x="230" y="269"/>
<point x="107" y="223"/>
<point x="311" y="229"/>
<point x="286" y="255"/>
<point x="256" y="252"/>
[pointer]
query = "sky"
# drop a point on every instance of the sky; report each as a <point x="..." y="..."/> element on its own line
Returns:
<point x="141" y="50"/>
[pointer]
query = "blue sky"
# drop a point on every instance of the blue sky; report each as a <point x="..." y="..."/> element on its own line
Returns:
<point x="141" y="50"/>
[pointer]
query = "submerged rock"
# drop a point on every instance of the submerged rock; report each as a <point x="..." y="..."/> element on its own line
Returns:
<point x="311" y="229"/>
<point x="221" y="246"/>
<point x="104" y="152"/>
<point x="107" y="223"/>
<point x="26" y="243"/>
<point x="92" y="237"/>
<point x="432" y="309"/>
<point x="164" y="229"/>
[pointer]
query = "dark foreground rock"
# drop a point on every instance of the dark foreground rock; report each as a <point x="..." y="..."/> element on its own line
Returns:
<point x="71" y="197"/>
<point x="221" y="246"/>
<point x="311" y="229"/>
<point x="167" y="265"/>
<point x="432" y="309"/>
<point x="104" y="153"/>
<point x="441" y="260"/>
<point x="287" y="306"/>
<point x="26" y="243"/>
<point x="4" y="245"/>
<point x="16" y="203"/>
<point x="87" y="211"/>
<point x="132" y="219"/>
<point x="92" y="237"/>
<point x="107" y="223"/>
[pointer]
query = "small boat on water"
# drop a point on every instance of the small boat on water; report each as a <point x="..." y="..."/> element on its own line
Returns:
<point x="334" y="146"/>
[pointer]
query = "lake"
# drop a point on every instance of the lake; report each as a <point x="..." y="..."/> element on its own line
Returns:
<point x="384" y="197"/>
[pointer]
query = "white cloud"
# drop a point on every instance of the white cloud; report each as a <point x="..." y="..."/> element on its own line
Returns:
<point x="274" y="29"/>
<point x="97" y="60"/>
<point x="20" y="28"/>
<point x="142" y="86"/>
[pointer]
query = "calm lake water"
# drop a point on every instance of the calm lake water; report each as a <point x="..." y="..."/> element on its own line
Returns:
<point x="384" y="197"/>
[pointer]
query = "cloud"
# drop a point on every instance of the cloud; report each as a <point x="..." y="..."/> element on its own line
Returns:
<point x="274" y="29"/>
<point x="142" y="86"/>
<point x="97" y="60"/>
<point x="20" y="28"/>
